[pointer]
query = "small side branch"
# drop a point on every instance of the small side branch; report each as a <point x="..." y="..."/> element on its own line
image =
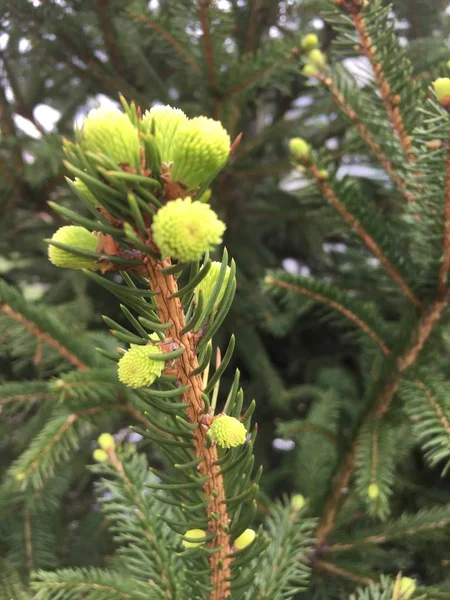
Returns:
<point x="336" y="306"/>
<point x="44" y="337"/>
<point x="363" y="234"/>
<point x="28" y="540"/>
<point x="203" y="6"/>
<point x="366" y="136"/>
<point x="335" y="571"/>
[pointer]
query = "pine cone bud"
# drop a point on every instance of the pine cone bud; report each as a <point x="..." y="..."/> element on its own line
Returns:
<point x="185" y="230"/>
<point x="297" y="502"/>
<point x="100" y="456"/>
<point x="136" y="369"/>
<point x="373" y="491"/>
<point x="106" y="441"/>
<point x="227" y="431"/>
<point x="195" y="534"/>
<point x="111" y="133"/>
<point x="167" y="121"/>
<point x="85" y="191"/>
<point x="208" y="283"/>
<point x="200" y="148"/>
<point x="404" y="588"/>
<point x="78" y="237"/>
<point x="310" y="41"/>
<point x="317" y="58"/>
<point x="442" y="90"/>
<point x="300" y="148"/>
<point x="245" y="539"/>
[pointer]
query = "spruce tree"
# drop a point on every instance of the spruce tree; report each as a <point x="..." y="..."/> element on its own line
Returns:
<point x="259" y="208"/>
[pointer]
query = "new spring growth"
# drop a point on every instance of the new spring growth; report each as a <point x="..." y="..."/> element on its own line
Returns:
<point x="373" y="491"/>
<point x="106" y="441"/>
<point x="317" y="58"/>
<point x="300" y="149"/>
<point x="110" y="132"/>
<point x="208" y="283"/>
<point x="309" y="70"/>
<point x="447" y="64"/>
<point x="100" y="455"/>
<point x="77" y="237"/>
<point x="192" y="535"/>
<point x="227" y="432"/>
<point x="185" y="230"/>
<point x="245" y="539"/>
<point x="442" y="90"/>
<point x="196" y="149"/>
<point x="85" y="191"/>
<point x="309" y="42"/>
<point x="297" y="502"/>
<point x="137" y="369"/>
<point x="404" y="588"/>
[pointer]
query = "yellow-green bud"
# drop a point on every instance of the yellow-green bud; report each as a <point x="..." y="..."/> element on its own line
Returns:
<point x="317" y="58"/>
<point x="442" y="90"/>
<point x="136" y="369"/>
<point x="106" y="441"/>
<point x="447" y="64"/>
<point x="323" y="174"/>
<point x="404" y="588"/>
<point x="77" y="237"/>
<point x="310" y="41"/>
<point x="185" y="230"/>
<point x="297" y="502"/>
<point x="300" y="148"/>
<point x="167" y="120"/>
<point x="228" y="432"/>
<point x="85" y="191"/>
<point x="100" y="455"/>
<point x="208" y="283"/>
<point x="373" y="491"/>
<point x="245" y="539"/>
<point x="309" y="71"/>
<point x="199" y="149"/>
<point x="110" y="132"/>
<point x="194" y="534"/>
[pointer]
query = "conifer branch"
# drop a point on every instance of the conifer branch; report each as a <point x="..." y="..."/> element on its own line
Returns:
<point x="362" y="233"/>
<point x="170" y="40"/>
<point x="340" y="572"/>
<point x="336" y="306"/>
<point x="435" y="405"/>
<point x="203" y="6"/>
<point x="109" y="36"/>
<point x="445" y="266"/>
<point x="366" y="136"/>
<point x="170" y="311"/>
<point x="43" y="336"/>
<point x="353" y="7"/>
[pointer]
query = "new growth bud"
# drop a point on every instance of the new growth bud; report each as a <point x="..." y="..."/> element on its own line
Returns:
<point x="185" y="230"/>
<point x="166" y="121"/>
<point x="373" y="491"/>
<point x="297" y="502"/>
<point x="194" y="534"/>
<point x="404" y="588"/>
<point x="137" y="369"/>
<point x="106" y="441"/>
<point x="208" y="283"/>
<point x="77" y="237"/>
<point x="110" y="132"/>
<point x="245" y="539"/>
<point x="100" y="455"/>
<point x="310" y="41"/>
<point x="300" y="149"/>
<point x="442" y="90"/>
<point x="317" y="58"/>
<point x="228" y="432"/>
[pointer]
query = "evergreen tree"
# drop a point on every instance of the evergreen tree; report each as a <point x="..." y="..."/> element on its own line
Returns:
<point x="329" y="216"/>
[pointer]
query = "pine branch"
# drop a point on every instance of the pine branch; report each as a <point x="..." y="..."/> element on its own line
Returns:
<point x="445" y="266"/>
<point x="170" y="40"/>
<point x="334" y="304"/>
<point x="203" y="6"/>
<point x="335" y="571"/>
<point x="28" y="542"/>
<point x="365" y="134"/>
<point x="356" y="226"/>
<point x="354" y="8"/>
<point x="110" y="36"/>
<point x="170" y="311"/>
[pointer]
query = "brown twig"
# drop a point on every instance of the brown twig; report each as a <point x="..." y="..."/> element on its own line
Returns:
<point x="366" y="136"/>
<point x="43" y="336"/>
<point x="170" y="311"/>
<point x="203" y="6"/>
<point x="362" y="233"/>
<point x="110" y="37"/>
<point x="170" y="40"/>
<point x="336" y="306"/>
<point x="339" y="572"/>
<point x="28" y="541"/>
